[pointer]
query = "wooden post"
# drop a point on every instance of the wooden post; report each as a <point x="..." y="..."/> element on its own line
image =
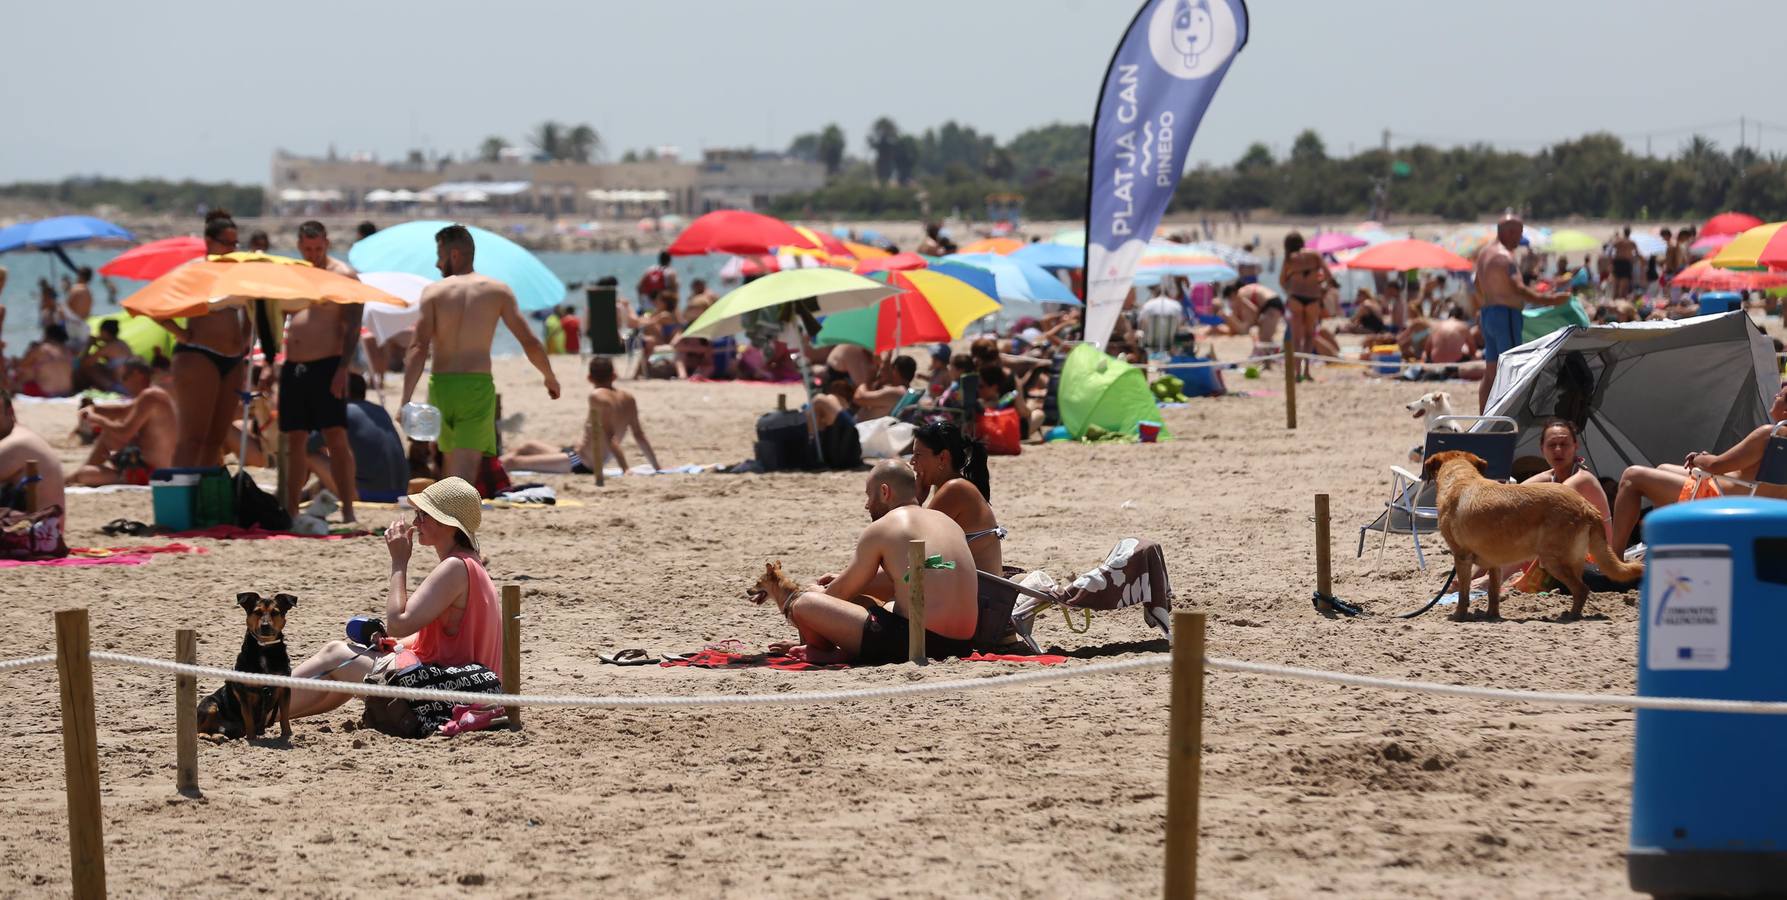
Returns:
<point x="511" y="675"/>
<point x="80" y="755"/>
<point x="31" y="483"/>
<point x="598" y="444"/>
<point x="1290" y="385"/>
<point x="1324" y="564"/>
<point x="186" y="715"/>
<point x="915" y="603"/>
<point x="781" y="403"/>
<point x="1185" y="761"/>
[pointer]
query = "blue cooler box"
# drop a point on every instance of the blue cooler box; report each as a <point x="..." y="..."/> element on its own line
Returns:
<point x="1709" y="790"/>
<point x="1715" y="302"/>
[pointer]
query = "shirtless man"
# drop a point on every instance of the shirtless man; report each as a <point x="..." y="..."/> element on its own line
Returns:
<point x="103" y="359"/>
<point x="1448" y="341"/>
<point x="835" y="627"/>
<point x="319" y="348"/>
<point x="886" y="389"/>
<point x="78" y="299"/>
<point x="695" y="355"/>
<point x="19" y="445"/>
<point x="47" y="370"/>
<point x="145" y="425"/>
<point x="1503" y="296"/>
<point x="620" y="414"/>
<point x="1306" y="279"/>
<point x="460" y="312"/>
<point x="1625" y="261"/>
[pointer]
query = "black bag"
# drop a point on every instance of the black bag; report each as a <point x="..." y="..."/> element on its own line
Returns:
<point x="421" y="718"/>
<point x="256" y="508"/>
<point x="782" y="441"/>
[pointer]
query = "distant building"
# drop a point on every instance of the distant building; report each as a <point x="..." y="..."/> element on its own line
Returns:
<point x="723" y="179"/>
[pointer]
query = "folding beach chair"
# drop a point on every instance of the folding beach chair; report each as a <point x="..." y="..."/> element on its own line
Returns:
<point x="1134" y="572"/>
<point x="1771" y="472"/>
<point x="1413" y="508"/>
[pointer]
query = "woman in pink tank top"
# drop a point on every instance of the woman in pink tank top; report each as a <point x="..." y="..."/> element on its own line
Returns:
<point x="451" y="618"/>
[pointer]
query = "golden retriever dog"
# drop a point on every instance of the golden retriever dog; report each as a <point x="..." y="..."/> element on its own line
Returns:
<point x="1488" y="524"/>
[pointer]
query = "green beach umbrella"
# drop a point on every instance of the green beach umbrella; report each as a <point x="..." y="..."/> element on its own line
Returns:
<point x="1569" y="240"/>
<point x="834" y="290"/>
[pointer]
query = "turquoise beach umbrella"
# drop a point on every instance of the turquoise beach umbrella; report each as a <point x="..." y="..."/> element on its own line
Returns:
<point x="1019" y="280"/>
<point x="410" y="248"/>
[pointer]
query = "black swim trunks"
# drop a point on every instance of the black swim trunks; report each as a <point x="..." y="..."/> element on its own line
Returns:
<point x="578" y="466"/>
<point x="1274" y="303"/>
<point x="305" y="400"/>
<point x="1306" y="301"/>
<point x="884" y="638"/>
<point x="1622" y="268"/>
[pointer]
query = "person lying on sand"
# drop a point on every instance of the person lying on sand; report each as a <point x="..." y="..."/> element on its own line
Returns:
<point x="1666" y="484"/>
<point x="835" y="627"/>
<point x="20" y="445"/>
<point x="886" y="388"/>
<point x="450" y="619"/>
<point x="620" y="414"/>
<point x="138" y="434"/>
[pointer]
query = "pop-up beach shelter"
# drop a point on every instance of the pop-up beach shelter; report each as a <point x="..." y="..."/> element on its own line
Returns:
<point x="1102" y="390"/>
<point x="1642" y="392"/>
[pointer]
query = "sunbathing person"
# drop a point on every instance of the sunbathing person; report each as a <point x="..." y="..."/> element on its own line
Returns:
<point x="953" y="480"/>
<point x="102" y="361"/>
<point x="46" y="369"/>
<point x="134" y="435"/>
<point x="620" y="414"/>
<point x="450" y="619"/>
<point x="835" y="627"/>
<point x="381" y="471"/>
<point x="18" y="446"/>
<point x="1562" y="448"/>
<point x="884" y="391"/>
<point x="1666" y="484"/>
<point x="1448" y="341"/>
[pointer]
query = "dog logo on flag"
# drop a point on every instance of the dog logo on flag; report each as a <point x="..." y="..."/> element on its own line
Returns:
<point x="1192" y="38"/>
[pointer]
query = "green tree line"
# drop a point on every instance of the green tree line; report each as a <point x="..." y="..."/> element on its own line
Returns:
<point x="953" y="167"/>
<point x="143" y="195"/>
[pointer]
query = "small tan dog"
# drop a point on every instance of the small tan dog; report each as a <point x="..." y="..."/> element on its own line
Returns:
<point x="1488" y="525"/>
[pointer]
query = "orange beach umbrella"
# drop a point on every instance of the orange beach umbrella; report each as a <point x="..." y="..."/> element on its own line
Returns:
<point x="222" y="282"/>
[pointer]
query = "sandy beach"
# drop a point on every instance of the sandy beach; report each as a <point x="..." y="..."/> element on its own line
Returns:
<point x="1046" y="791"/>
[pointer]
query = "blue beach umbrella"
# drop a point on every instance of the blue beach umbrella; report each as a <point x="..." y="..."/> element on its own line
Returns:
<point x="60" y="231"/>
<point x="410" y="248"/>
<point x="1050" y="255"/>
<point x="1019" y="280"/>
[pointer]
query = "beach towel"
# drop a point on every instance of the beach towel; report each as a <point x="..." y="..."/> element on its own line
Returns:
<point x="237" y="533"/>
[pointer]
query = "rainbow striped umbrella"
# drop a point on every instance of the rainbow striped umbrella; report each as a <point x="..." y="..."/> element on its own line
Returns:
<point x="1762" y="247"/>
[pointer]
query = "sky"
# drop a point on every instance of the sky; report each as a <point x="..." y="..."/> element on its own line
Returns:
<point x="188" y="90"/>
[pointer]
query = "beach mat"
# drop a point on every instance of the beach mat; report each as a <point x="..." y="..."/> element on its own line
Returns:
<point x="720" y="659"/>
<point x="104" y="556"/>
<point x="237" y="533"/>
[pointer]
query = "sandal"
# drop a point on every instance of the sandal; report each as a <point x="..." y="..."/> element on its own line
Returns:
<point x="629" y="657"/>
<point x="471" y="718"/>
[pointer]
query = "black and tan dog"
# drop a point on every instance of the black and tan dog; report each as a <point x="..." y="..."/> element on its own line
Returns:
<point x="240" y="710"/>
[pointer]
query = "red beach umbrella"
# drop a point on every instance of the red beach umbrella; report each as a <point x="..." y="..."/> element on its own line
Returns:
<point x="1729" y="223"/>
<point x="896" y="262"/>
<point x="1400" y="256"/>
<point x="154" y="259"/>
<point x="737" y="232"/>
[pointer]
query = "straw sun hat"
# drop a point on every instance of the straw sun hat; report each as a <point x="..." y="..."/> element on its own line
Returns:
<point x="452" y="501"/>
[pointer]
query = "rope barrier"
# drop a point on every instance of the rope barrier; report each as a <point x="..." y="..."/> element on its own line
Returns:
<point x="1624" y="701"/>
<point x="1628" y="701"/>
<point x="1341" y="361"/>
<point x="382" y="690"/>
<point x="1213" y="363"/>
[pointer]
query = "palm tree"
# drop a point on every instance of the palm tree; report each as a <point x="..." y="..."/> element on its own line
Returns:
<point x="548" y="140"/>
<point x="583" y="144"/>
<point x="884" y="142"/>
<point x="492" y="149"/>
<point x="831" y="149"/>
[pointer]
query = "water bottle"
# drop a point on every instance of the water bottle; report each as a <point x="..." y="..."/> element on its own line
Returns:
<point x="421" y="421"/>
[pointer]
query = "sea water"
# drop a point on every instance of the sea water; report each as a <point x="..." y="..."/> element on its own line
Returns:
<point x="25" y="267"/>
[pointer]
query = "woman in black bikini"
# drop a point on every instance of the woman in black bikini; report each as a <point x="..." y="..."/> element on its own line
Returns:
<point x="952" y="479"/>
<point x="209" y="365"/>
<point x="1306" y="279"/>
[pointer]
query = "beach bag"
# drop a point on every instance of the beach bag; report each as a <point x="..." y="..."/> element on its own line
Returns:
<point x="884" y="438"/>
<point x="31" y="536"/>
<point x="1000" y="432"/>
<point x="256" y="508"/>
<point x="782" y="440"/>
<point x="652" y="283"/>
<point x="421" y="718"/>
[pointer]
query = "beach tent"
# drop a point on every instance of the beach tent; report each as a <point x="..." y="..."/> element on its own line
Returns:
<point x="1642" y="392"/>
<point x="1103" y="391"/>
<point x="1539" y="321"/>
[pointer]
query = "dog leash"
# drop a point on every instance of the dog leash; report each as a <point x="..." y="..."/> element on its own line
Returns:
<point x="1326" y="602"/>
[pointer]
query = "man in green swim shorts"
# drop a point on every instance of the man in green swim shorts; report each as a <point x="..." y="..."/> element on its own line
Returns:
<point x="458" y="322"/>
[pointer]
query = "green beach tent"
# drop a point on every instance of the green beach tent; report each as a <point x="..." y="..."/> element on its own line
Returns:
<point x="1106" y="392"/>
<point x="141" y="332"/>
<point x="1539" y="321"/>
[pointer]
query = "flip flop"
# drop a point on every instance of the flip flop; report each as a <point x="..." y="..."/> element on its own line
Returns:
<point x="629" y="657"/>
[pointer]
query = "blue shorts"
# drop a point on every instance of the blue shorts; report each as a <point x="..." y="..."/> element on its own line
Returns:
<point x="1501" y="330"/>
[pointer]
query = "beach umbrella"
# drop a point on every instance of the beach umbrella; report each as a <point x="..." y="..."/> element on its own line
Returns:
<point x="1704" y="276"/>
<point x="1403" y="255"/>
<point x="1050" y="255"/>
<point x="1649" y="244"/>
<point x="1232" y="256"/>
<point x="737" y="232"/>
<point x="1732" y="223"/>
<point x="384" y="320"/>
<point x="1015" y="279"/>
<point x="1468" y="240"/>
<point x="929" y="308"/>
<point x="824" y="242"/>
<point x="154" y="259"/>
<point x="1753" y="248"/>
<point x="1569" y="240"/>
<point x="1712" y="243"/>
<point x="1072" y="237"/>
<point x="1163" y="259"/>
<point x="60" y="231"/>
<point x="222" y="282"/>
<point x="740" y="267"/>
<point x="1374" y="236"/>
<point x="895" y="261"/>
<point x="1333" y="242"/>
<point x="996" y="245"/>
<point x="143" y="336"/>
<point x="833" y="290"/>
<point x="864" y="251"/>
<point x="410" y="247"/>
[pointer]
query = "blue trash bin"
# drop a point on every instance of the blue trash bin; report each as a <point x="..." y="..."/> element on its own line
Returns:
<point x="1709" y="790"/>
<point x="1714" y="302"/>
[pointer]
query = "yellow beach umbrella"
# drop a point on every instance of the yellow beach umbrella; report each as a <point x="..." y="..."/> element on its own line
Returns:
<point x="1757" y="248"/>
